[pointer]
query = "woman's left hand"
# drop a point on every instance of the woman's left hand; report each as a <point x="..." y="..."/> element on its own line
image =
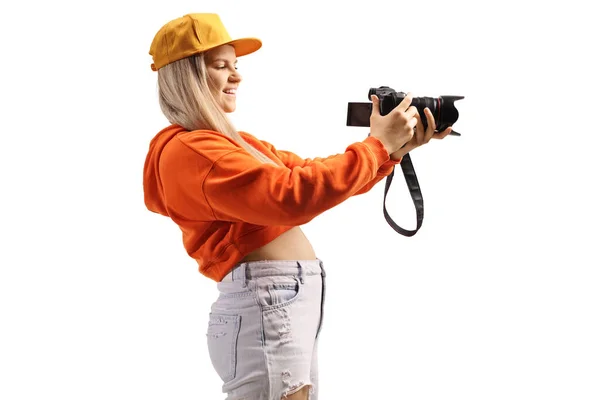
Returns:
<point x="420" y="137"/>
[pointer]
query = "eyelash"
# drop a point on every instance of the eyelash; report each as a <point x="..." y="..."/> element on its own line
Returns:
<point x="223" y="67"/>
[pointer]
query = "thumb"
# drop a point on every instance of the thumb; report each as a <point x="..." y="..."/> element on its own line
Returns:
<point x="375" y="100"/>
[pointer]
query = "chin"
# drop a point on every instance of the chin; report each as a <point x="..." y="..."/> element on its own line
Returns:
<point x="228" y="106"/>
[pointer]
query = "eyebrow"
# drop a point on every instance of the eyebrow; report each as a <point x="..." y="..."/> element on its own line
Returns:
<point x="223" y="59"/>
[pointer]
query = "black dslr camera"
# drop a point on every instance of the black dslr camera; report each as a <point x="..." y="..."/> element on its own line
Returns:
<point x="444" y="112"/>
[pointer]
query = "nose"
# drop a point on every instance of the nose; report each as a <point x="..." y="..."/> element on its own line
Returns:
<point x="235" y="77"/>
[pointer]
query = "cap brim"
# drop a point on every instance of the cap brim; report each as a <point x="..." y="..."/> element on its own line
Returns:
<point x="245" y="46"/>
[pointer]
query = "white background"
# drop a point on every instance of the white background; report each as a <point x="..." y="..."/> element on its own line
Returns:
<point x="497" y="295"/>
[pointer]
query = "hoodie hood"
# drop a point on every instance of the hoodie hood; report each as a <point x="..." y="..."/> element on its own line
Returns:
<point x="153" y="189"/>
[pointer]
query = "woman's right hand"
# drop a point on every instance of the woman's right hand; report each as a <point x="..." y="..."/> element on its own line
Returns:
<point x="395" y="129"/>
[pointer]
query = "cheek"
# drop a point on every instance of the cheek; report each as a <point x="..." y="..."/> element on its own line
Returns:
<point x="218" y="80"/>
<point x="222" y="79"/>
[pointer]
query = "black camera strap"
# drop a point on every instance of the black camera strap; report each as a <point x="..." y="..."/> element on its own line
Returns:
<point x="415" y="193"/>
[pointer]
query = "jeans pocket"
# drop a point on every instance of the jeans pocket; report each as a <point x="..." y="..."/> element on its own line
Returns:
<point x="282" y="292"/>
<point x="221" y="336"/>
<point x="279" y="292"/>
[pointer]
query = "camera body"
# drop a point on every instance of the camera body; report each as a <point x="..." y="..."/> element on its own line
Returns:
<point x="444" y="112"/>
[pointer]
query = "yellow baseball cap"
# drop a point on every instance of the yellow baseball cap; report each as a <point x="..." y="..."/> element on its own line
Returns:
<point x="193" y="34"/>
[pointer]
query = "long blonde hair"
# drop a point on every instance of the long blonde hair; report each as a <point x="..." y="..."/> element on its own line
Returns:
<point x="185" y="99"/>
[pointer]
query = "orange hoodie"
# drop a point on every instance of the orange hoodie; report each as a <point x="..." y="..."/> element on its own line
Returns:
<point x="227" y="203"/>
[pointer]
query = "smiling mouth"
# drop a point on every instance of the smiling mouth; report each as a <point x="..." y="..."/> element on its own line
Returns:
<point x="230" y="92"/>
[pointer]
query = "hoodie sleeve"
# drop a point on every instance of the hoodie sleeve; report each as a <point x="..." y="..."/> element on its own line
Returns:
<point x="241" y="188"/>
<point x="292" y="160"/>
<point x="382" y="172"/>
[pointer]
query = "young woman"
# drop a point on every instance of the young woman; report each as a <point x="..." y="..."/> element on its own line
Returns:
<point x="240" y="202"/>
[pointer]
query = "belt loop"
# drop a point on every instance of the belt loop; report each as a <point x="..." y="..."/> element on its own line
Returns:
<point x="241" y="274"/>
<point x="300" y="272"/>
<point x="247" y="274"/>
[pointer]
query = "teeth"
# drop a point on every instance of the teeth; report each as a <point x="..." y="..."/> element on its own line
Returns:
<point x="230" y="91"/>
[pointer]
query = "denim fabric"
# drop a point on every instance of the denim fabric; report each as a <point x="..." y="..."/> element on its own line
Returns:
<point x="264" y="328"/>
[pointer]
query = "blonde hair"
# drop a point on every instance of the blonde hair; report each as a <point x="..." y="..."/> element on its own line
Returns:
<point x="185" y="99"/>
